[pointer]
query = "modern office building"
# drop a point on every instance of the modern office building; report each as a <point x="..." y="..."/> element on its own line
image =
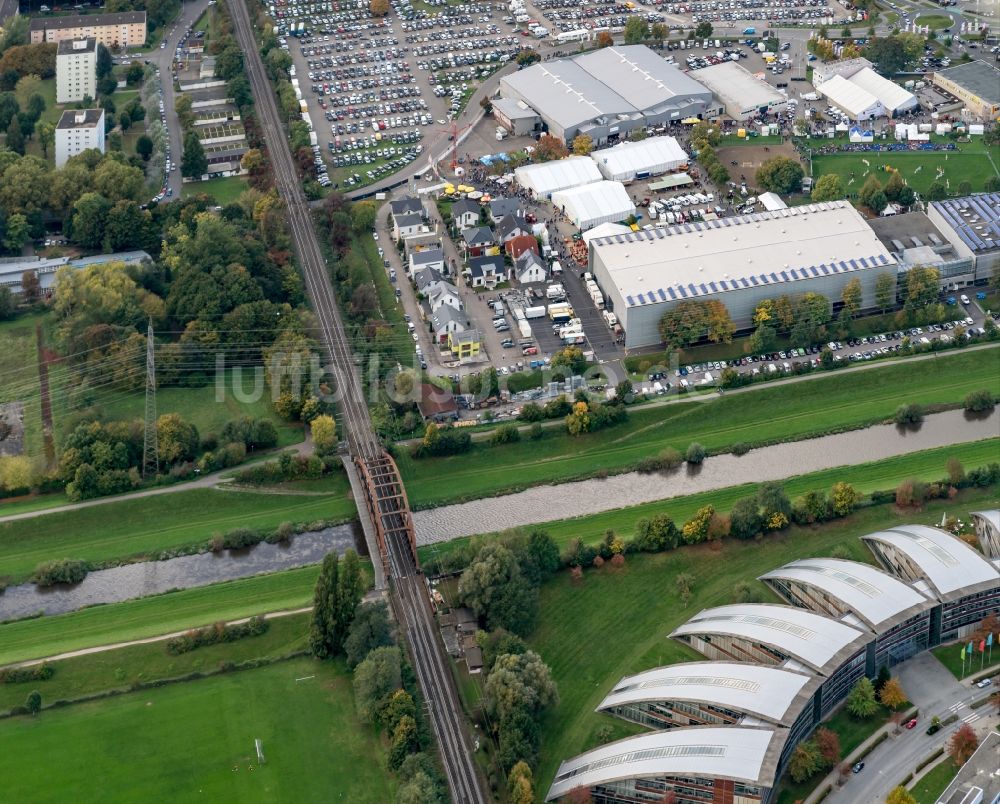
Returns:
<point x="976" y="84"/>
<point x="740" y="261"/>
<point x="121" y="30"/>
<point x="76" y="70"/>
<point x="77" y="131"/>
<point x="913" y="240"/>
<point x="987" y="525"/>
<point x="607" y="93"/>
<point x="742" y="95"/>
<point x="972" y="225"/>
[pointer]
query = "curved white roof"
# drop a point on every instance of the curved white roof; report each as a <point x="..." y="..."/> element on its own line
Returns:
<point x="992" y="517"/>
<point x="948" y="564"/>
<point x="657" y="154"/>
<point x="593" y="204"/>
<point x="549" y="177"/>
<point x="893" y="96"/>
<point x="850" y="97"/>
<point x="766" y="692"/>
<point x="727" y="752"/>
<point x="874" y="596"/>
<point x="811" y="638"/>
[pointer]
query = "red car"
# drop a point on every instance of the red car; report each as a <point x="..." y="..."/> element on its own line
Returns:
<point x="910" y="724"/>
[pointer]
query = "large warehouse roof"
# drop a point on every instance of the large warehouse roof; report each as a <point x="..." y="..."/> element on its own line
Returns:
<point x="701" y="259"/>
<point x="743" y="754"/>
<point x="734" y="85"/>
<point x="880" y="601"/>
<point x="652" y="155"/>
<point x="853" y="99"/>
<point x="819" y="642"/>
<point x="600" y="202"/>
<point x="979" y="78"/>
<point x="548" y="177"/>
<point x="892" y="95"/>
<point x="949" y="565"/>
<point x="769" y="693"/>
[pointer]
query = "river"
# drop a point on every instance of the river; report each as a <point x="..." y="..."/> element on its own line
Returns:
<point x="155" y="577"/>
<point x="777" y="462"/>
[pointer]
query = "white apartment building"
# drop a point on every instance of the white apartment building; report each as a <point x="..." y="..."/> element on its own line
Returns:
<point x="78" y="130"/>
<point x="76" y="70"/>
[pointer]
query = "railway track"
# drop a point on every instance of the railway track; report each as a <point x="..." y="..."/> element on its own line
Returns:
<point x="409" y="590"/>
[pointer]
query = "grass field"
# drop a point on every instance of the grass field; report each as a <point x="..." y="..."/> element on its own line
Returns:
<point x="117" y="669"/>
<point x="224" y="190"/>
<point x="195" y="741"/>
<point x="140" y="526"/>
<point x="786" y="412"/>
<point x="926" y="465"/>
<point x="968" y="164"/>
<point x="935" y="21"/>
<point x="934" y="782"/>
<point x="151" y="616"/>
<point x="641" y="605"/>
<point x="19" y="376"/>
<point x="951" y="657"/>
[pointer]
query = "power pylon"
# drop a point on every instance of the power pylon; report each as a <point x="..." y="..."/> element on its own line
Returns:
<point x="150" y="444"/>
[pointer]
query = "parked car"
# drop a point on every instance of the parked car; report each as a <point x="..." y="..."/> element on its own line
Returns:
<point x="984" y="683"/>
<point x="910" y="724"/>
<point x="858" y="767"/>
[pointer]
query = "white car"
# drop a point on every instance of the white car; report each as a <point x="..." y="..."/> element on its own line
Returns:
<point x="984" y="683"/>
<point x="964" y="298"/>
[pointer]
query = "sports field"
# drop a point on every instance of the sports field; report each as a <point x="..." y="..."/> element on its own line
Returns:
<point x="195" y="742"/>
<point x="920" y="169"/>
<point x="140" y="526"/>
<point x="769" y="414"/>
<point x="639" y="605"/>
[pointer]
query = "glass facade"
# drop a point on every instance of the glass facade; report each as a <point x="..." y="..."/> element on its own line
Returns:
<point x="969" y="610"/>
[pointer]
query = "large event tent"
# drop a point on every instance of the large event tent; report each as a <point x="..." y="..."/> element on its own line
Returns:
<point x="631" y="160"/>
<point x="545" y="178"/>
<point x="593" y="204"/>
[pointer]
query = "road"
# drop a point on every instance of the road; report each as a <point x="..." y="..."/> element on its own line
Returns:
<point x="411" y="602"/>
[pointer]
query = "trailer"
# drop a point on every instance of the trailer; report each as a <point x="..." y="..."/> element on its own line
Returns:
<point x="313" y="139"/>
<point x="534" y="312"/>
<point x="556" y="291"/>
<point x="560" y="312"/>
<point x="524" y="328"/>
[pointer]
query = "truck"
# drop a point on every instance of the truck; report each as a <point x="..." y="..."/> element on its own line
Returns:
<point x="574" y="338"/>
<point x="610" y="318"/>
<point x="560" y="312"/>
<point x="598" y="298"/>
<point x="556" y="291"/>
<point x="313" y="139"/>
<point x="534" y="312"/>
<point x="524" y="328"/>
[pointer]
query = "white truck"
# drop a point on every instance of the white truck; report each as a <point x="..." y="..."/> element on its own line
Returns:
<point x="313" y="139"/>
<point x="534" y="312"/>
<point x="556" y="291"/>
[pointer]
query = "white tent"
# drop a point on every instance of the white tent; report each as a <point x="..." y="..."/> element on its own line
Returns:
<point x="858" y="103"/>
<point x="771" y="202"/>
<point x="892" y="96"/>
<point x="593" y="204"/>
<point x="605" y="230"/>
<point x="631" y="160"/>
<point x="546" y="178"/>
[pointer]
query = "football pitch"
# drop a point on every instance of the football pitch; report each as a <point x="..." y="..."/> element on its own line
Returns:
<point x="194" y="741"/>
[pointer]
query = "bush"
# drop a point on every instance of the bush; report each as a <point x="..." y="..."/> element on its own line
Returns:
<point x="239" y="538"/>
<point x="536" y="431"/>
<point x="22" y="675"/>
<point x="505" y="434"/>
<point x="666" y="460"/>
<point x="740" y="449"/>
<point x="214" y="634"/>
<point x="908" y="415"/>
<point x="979" y="401"/>
<point x="63" y="571"/>
<point x="695" y="453"/>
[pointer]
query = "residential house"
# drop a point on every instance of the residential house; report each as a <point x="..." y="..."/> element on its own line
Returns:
<point x="465" y="213"/>
<point x="432" y="258"/>
<point x="406" y="204"/>
<point x="516" y="246"/>
<point x="406" y="224"/>
<point x="445" y="320"/>
<point x="437" y="404"/>
<point x="465" y="345"/>
<point x="511" y="226"/>
<point x="499" y="207"/>
<point x="476" y="240"/>
<point x="486" y="272"/>
<point x="424" y="278"/>
<point x="443" y="293"/>
<point x="529" y="268"/>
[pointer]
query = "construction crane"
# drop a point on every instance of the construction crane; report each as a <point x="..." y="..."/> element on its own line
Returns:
<point x="455" y="131"/>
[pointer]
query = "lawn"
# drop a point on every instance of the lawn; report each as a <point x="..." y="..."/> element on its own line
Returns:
<point x="951" y="657"/>
<point x="19" y="376"/>
<point x="136" y="527"/>
<point x="640" y="605"/>
<point x="935" y="21"/>
<point x="958" y="166"/>
<point x="927" y="465"/>
<point x="161" y="614"/>
<point x="117" y="669"/>
<point x="224" y="190"/>
<point x="806" y="408"/>
<point x="933" y="783"/>
<point x="195" y="741"/>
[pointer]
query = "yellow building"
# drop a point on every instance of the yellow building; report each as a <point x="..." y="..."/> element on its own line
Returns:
<point x="976" y="84"/>
<point x="464" y="345"/>
<point x="122" y="30"/>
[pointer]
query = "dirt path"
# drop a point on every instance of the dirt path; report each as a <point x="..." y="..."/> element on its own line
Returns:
<point x="45" y="356"/>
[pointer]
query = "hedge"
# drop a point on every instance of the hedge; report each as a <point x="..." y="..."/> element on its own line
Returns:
<point x="22" y="675"/>
<point x="214" y="634"/>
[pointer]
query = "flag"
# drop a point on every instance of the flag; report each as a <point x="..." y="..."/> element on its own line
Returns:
<point x="982" y="646"/>
<point x="971" y="648"/>
<point x="963" y="653"/>
<point x="989" y="639"/>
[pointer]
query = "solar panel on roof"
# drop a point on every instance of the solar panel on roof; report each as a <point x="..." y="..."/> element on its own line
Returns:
<point x="753" y="280"/>
<point x="663" y="296"/>
<point x="630" y="301"/>
<point x="774" y="277"/>
<point x="745" y="281"/>
<point x="682" y="291"/>
<point x="783" y="275"/>
<point x="723" y="284"/>
<point x="713" y="286"/>
<point x="673" y="295"/>
<point x="882" y="259"/>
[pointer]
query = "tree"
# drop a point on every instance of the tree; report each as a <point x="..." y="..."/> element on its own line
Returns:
<point x="324" y="433"/>
<point x="921" y="288"/>
<point x="851" y="297"/>
<point x="6" y="305"/>
<point x="404" y="741"/>
<point x="419" y="789"/>
<point x="844" y="498"/>
<point x="105" y="64"/>
<point x="861" y="700"/>
<point x="520" y="784"/>
<point x="520" y="682"/>
<point x="762" y="339"/>
<point x="885" y="291"/>
<point x="937" y="192"/>
<point x="119" y="181"/>
<point x="805" y="761"/>
<point x="177" y="440"/>
<point x="583" y="144"/>
<point x="891" y="695"/>
<point x="889" y="53"/>
<point x="907" y="415"/>
<point x="828" y="745"/>
<point x="493" y="586"/>
<point x="720" y="325"/>
<point x="31" y="287"/>
<point x="193" y="161"/>
<point x="703" y="30"/>
<point x="572" y="358"/>
<point x="604" y="39"/>
<point x="46" y="134"/>
<point x="695" y="453"/>
<point x="33" y="703"/>
<point x="684" y="581"/>
<point x="780" y="174"/>
<point x="979" y="401"/>
<point x="744" y="519"/>
<point x="963" y="744"/>
<point x="882" y="678"/>
<point x="375" y="680"/>
<point x="90" y="216"/>
<point x="350" y="590"/>
<point x="869" y="191"/>
<point x="253" y="161"/>
<point x="549" y="148"/>
<point x="578" y="420"/>
<point x="695" y="530"/>
<point x="323" y="636"/>
<point x="684" y="324"/>
<point x="992" y="184"/>
<point x="15" y="139"/>
<point x="900" y="795"/>
<point x="370" y="629"/>
<point x="828" y="188"/>
<point x="17" y="233"/>
<point x="636" y="30"/>
<point x="378" y="8"/>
